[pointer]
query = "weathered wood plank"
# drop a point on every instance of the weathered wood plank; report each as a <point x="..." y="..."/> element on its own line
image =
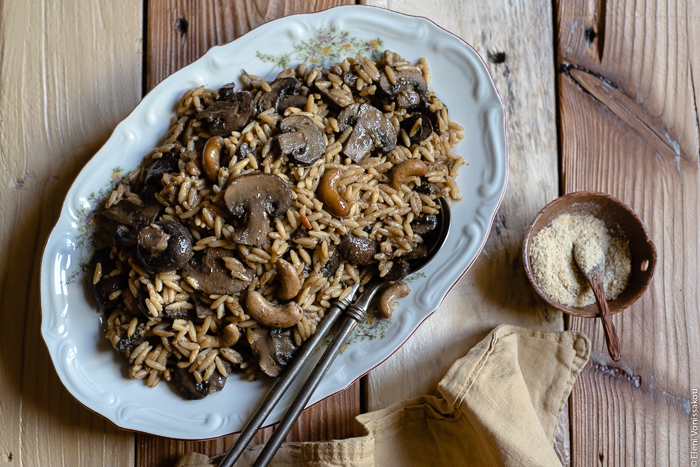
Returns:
<point x="331" y="418"/>
<point x="69" y="72"/>
<point x="629" y="127"/>
<point x="515" y="38"/>
<point x="179" y="32"/>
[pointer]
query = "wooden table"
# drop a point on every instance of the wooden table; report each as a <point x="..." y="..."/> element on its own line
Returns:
<point x="600" y="95"/>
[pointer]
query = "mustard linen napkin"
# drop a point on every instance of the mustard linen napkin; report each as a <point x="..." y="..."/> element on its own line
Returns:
<point x="500" y="407"/>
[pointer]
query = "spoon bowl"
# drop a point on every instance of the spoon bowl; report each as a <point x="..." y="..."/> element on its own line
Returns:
<point x="617" y="217"/>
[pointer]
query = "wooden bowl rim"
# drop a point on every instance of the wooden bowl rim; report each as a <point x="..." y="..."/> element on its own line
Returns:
<point x="593" y="196"/>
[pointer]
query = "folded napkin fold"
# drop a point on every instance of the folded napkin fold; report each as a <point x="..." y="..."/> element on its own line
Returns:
<point x="500" y="407"/>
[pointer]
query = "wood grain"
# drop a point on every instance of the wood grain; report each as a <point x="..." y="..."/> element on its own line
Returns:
<point x="179" y="32"/>
<point x="515" y="39"/>
<point x="69" y="72"/>
<point x="629" y="127"/>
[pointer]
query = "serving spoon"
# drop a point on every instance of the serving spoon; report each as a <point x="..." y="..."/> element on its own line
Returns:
<point x="355" y="314"/>
<point x="591" y="260"/>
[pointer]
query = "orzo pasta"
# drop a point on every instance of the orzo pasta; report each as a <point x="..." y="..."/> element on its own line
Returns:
<point x="264" y="205"/>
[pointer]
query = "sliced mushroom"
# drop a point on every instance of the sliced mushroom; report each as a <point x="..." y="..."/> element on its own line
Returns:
<point x="421" y="251"/>
<point x="128" y="343"/>
<point x="126" y="236"/>
<point x="350" y="78"/>
<point x="424" y="224"/>
<point x="301" y="139"/>
<point x="416" y="130"/>
<point x="167" y="163"/>
<point x="274" y="348"/>
<point x="180" y="313"/>
<point x="226" y="91"/>
<point x="358" y="250"/>
<point x="107" y="284"/>
<point x="106" y="287"/>
<point x="428" y="189"/>
<point x="217" y="381"/>
<point x="135" y="215"/>
<point x="372" y="130"/>
<point x="201" y="309"/>
<point x="253" y="198"/>
<point x="144" y="295"/>
<point x="291" y="101"/>
<point x="191" y="389"/>
<point x="432" y="116"/>
<point x="243" y="151"/>
<point x="399" y="269"/>
<point x="406" y="89"/>
<point x="287" y="73"/>
<point x="164" y="246"/>
<point x="329" y="269"/>
<point x="229" y="115"/>
<point x="212" y="276"/>
<point x="282" y="86"/>
<point x="131" y="303"/>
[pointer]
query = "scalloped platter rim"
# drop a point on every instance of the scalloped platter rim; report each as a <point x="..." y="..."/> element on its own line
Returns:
<point x="71" y="326"/>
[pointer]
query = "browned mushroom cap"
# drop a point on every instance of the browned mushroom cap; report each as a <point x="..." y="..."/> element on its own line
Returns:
<point x="164" y="246"/>
<point x="358" y="250"/>
<point x="128" y="343"/>
<point x="274" y="348"/>
<point x="226" y="91"/>
<point x="191" y="389"/>
<point x="212" y="276"/>
<point x="134" y="215"/>
<point x="331" y="267"/>
<point x="108" y="284"/>
<point x="253" y="198"/>
<point x="301" y="139"/>
<point x="424" y="224"/>
<point x="285" y="84"/>
<point x="399" y="269"/>
<point x="408" y="87"/>
<point x="350" y="78"/>
<point x="167" y="163"/>
<point x="372" y="130"/>
<point x="229" y="115"/>
<point x="291" y="101"/>
<point x="417" y="131"/>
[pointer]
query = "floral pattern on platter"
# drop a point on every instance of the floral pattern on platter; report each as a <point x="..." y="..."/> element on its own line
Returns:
<point x="326" y="46"/>
<point x="373" y="327"/>
<point x="86" y="224"/>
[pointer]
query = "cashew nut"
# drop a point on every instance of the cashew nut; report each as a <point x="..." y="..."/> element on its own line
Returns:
<point x="289" y="280"/>
<point x="405" y="169"/>
<point x="328" y="193"/>
<point x="264" y="312"/>
<point x="211" y="157"/>
<point x="230" y="337"/>
<point x="386" y="301"/>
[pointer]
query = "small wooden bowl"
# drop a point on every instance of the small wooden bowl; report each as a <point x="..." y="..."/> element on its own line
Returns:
<point x="617" y="216"/>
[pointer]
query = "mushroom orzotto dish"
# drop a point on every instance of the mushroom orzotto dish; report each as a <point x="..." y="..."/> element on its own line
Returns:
<point x="262" y="206"/>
